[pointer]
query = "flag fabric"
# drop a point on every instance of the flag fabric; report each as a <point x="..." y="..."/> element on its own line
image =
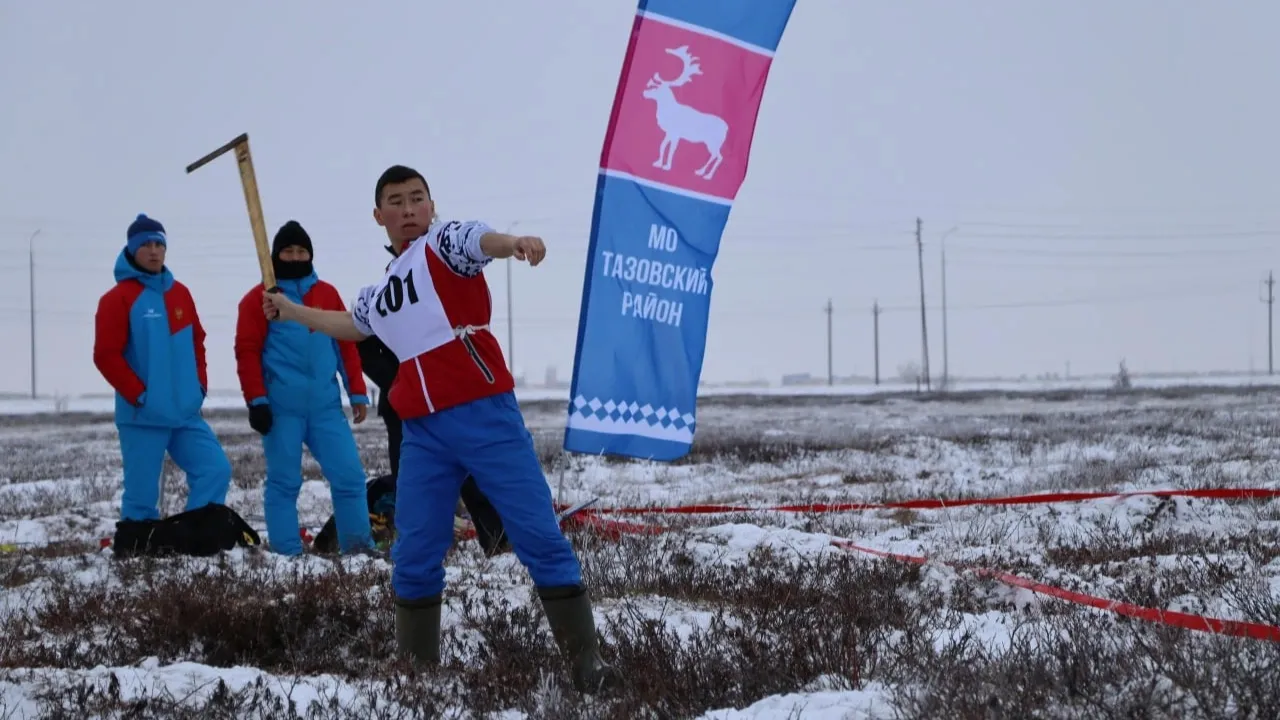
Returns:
<point x="675" y="154"/>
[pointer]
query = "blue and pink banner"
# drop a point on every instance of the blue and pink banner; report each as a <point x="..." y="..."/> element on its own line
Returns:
<point x="674" y="157"/>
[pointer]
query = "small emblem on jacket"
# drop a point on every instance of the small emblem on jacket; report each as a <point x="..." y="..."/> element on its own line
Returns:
<point x="177" y="313"/>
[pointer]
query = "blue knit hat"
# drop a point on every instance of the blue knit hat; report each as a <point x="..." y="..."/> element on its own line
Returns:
<point x="144" y="230"/>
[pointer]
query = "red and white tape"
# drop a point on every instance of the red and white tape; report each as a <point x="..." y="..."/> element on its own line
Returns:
<point x="939" y="503"/>
<point x="1236" y="628"/>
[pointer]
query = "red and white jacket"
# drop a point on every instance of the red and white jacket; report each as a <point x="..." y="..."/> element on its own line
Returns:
<point x="432" y="309"/>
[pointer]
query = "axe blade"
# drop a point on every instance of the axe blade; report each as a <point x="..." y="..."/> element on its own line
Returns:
<point x="239" y="140"/>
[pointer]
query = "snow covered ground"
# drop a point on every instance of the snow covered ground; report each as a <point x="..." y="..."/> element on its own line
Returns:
<point x="745" y="615"/>
<point x="230" y="400"/>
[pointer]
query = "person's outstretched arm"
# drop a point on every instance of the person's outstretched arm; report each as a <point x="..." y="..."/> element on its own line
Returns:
<point x="337" y="324"/>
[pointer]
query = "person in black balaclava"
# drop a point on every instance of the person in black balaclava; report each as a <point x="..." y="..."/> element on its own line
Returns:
<point x="292" y="252"/>
<point x="289" y="377"/>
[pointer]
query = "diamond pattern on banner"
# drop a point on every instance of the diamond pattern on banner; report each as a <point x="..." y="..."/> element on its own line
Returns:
<point x="629" y="411"/>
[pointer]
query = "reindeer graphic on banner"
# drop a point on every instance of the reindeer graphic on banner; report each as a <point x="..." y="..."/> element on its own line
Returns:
<point x="681" y="122"/>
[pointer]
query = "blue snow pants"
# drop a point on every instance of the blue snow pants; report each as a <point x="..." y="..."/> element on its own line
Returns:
<point x="328" y="437"/>
<point x="488" y="439"/>
<point x="193" y="447"/>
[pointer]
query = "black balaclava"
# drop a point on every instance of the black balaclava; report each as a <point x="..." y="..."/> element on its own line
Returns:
<point x="291" y="233"/>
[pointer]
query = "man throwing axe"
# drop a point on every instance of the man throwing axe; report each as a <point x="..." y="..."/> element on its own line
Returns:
<point x="381" y="366"/>
<point x="456" y="398"/>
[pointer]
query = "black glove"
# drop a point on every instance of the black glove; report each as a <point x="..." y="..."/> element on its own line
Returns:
<point x="260" y="418"/>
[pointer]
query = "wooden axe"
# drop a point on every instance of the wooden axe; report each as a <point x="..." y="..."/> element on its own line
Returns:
<point x="250" y="184"/>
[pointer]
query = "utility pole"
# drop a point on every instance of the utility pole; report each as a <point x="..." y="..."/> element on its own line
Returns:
<point x="875" y="329"/>
<point x="511" y="326"/>
<point x="1270" y="300"/>
<point x="830" y="310"/>
<point x="946" y="364"/>
<point x="924" y="328"/>
<point x="511" y="322"/>
<point x="31" y="284"/>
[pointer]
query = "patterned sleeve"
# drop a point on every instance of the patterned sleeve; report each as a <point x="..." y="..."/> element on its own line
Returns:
<point x="360" y="309"/>
<point x="460" y="247"/>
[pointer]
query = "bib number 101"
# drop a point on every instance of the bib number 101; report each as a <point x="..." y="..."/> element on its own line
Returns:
<point x="392" y="297"/>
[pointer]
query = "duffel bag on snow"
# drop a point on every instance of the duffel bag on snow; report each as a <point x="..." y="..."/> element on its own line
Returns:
<point x="381" y="496"/>
<point x="204" y="531"/>
<point x="380" y="493"/>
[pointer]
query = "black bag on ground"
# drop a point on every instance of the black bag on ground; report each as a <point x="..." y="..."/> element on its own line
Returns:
<point x="380" y="493"/>
<point x="201" y="532"/>
<point x="381" y="496"/>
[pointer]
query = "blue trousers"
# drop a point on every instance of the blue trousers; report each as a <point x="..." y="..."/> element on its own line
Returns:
<point x="193" y="447"/>
<point x="330" y="441"/>
<point x="488" y="439"/>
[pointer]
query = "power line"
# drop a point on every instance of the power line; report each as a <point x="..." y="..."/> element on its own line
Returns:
<point x="1207" y="291"/>
<point x="1033" y="252"/>
<point x="228" y="260"/>
<point x="568" y="319"/>
<point x="343" y="233"/>
<point x="337" y="233"/>
<point x="1067" y="265"/>
<point x="1128" y="236"/>
<point x="230" y="253"/>
<point x="230" y="250"/>
<point x="1223" y="289"/>
<point x="1005" y="224"/>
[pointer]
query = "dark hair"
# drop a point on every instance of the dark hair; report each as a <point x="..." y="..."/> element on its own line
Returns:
<point x="395" y="175"/>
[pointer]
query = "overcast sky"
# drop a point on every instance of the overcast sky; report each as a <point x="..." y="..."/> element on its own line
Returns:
<point x="1112" y="166"/>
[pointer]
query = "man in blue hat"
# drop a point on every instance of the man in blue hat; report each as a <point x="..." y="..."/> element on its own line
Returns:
<point x="149" y="345"/>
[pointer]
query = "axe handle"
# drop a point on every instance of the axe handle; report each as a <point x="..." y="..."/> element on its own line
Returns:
<point x="254" y="202"/>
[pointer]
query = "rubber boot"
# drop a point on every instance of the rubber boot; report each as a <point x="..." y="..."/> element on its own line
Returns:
<point x="569" y="614"/>
<point x="418" y="629"/>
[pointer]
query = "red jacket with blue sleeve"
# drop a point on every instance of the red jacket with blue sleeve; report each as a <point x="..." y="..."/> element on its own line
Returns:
<point x="149" y="345"/>
<point x="287" y="365"/>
